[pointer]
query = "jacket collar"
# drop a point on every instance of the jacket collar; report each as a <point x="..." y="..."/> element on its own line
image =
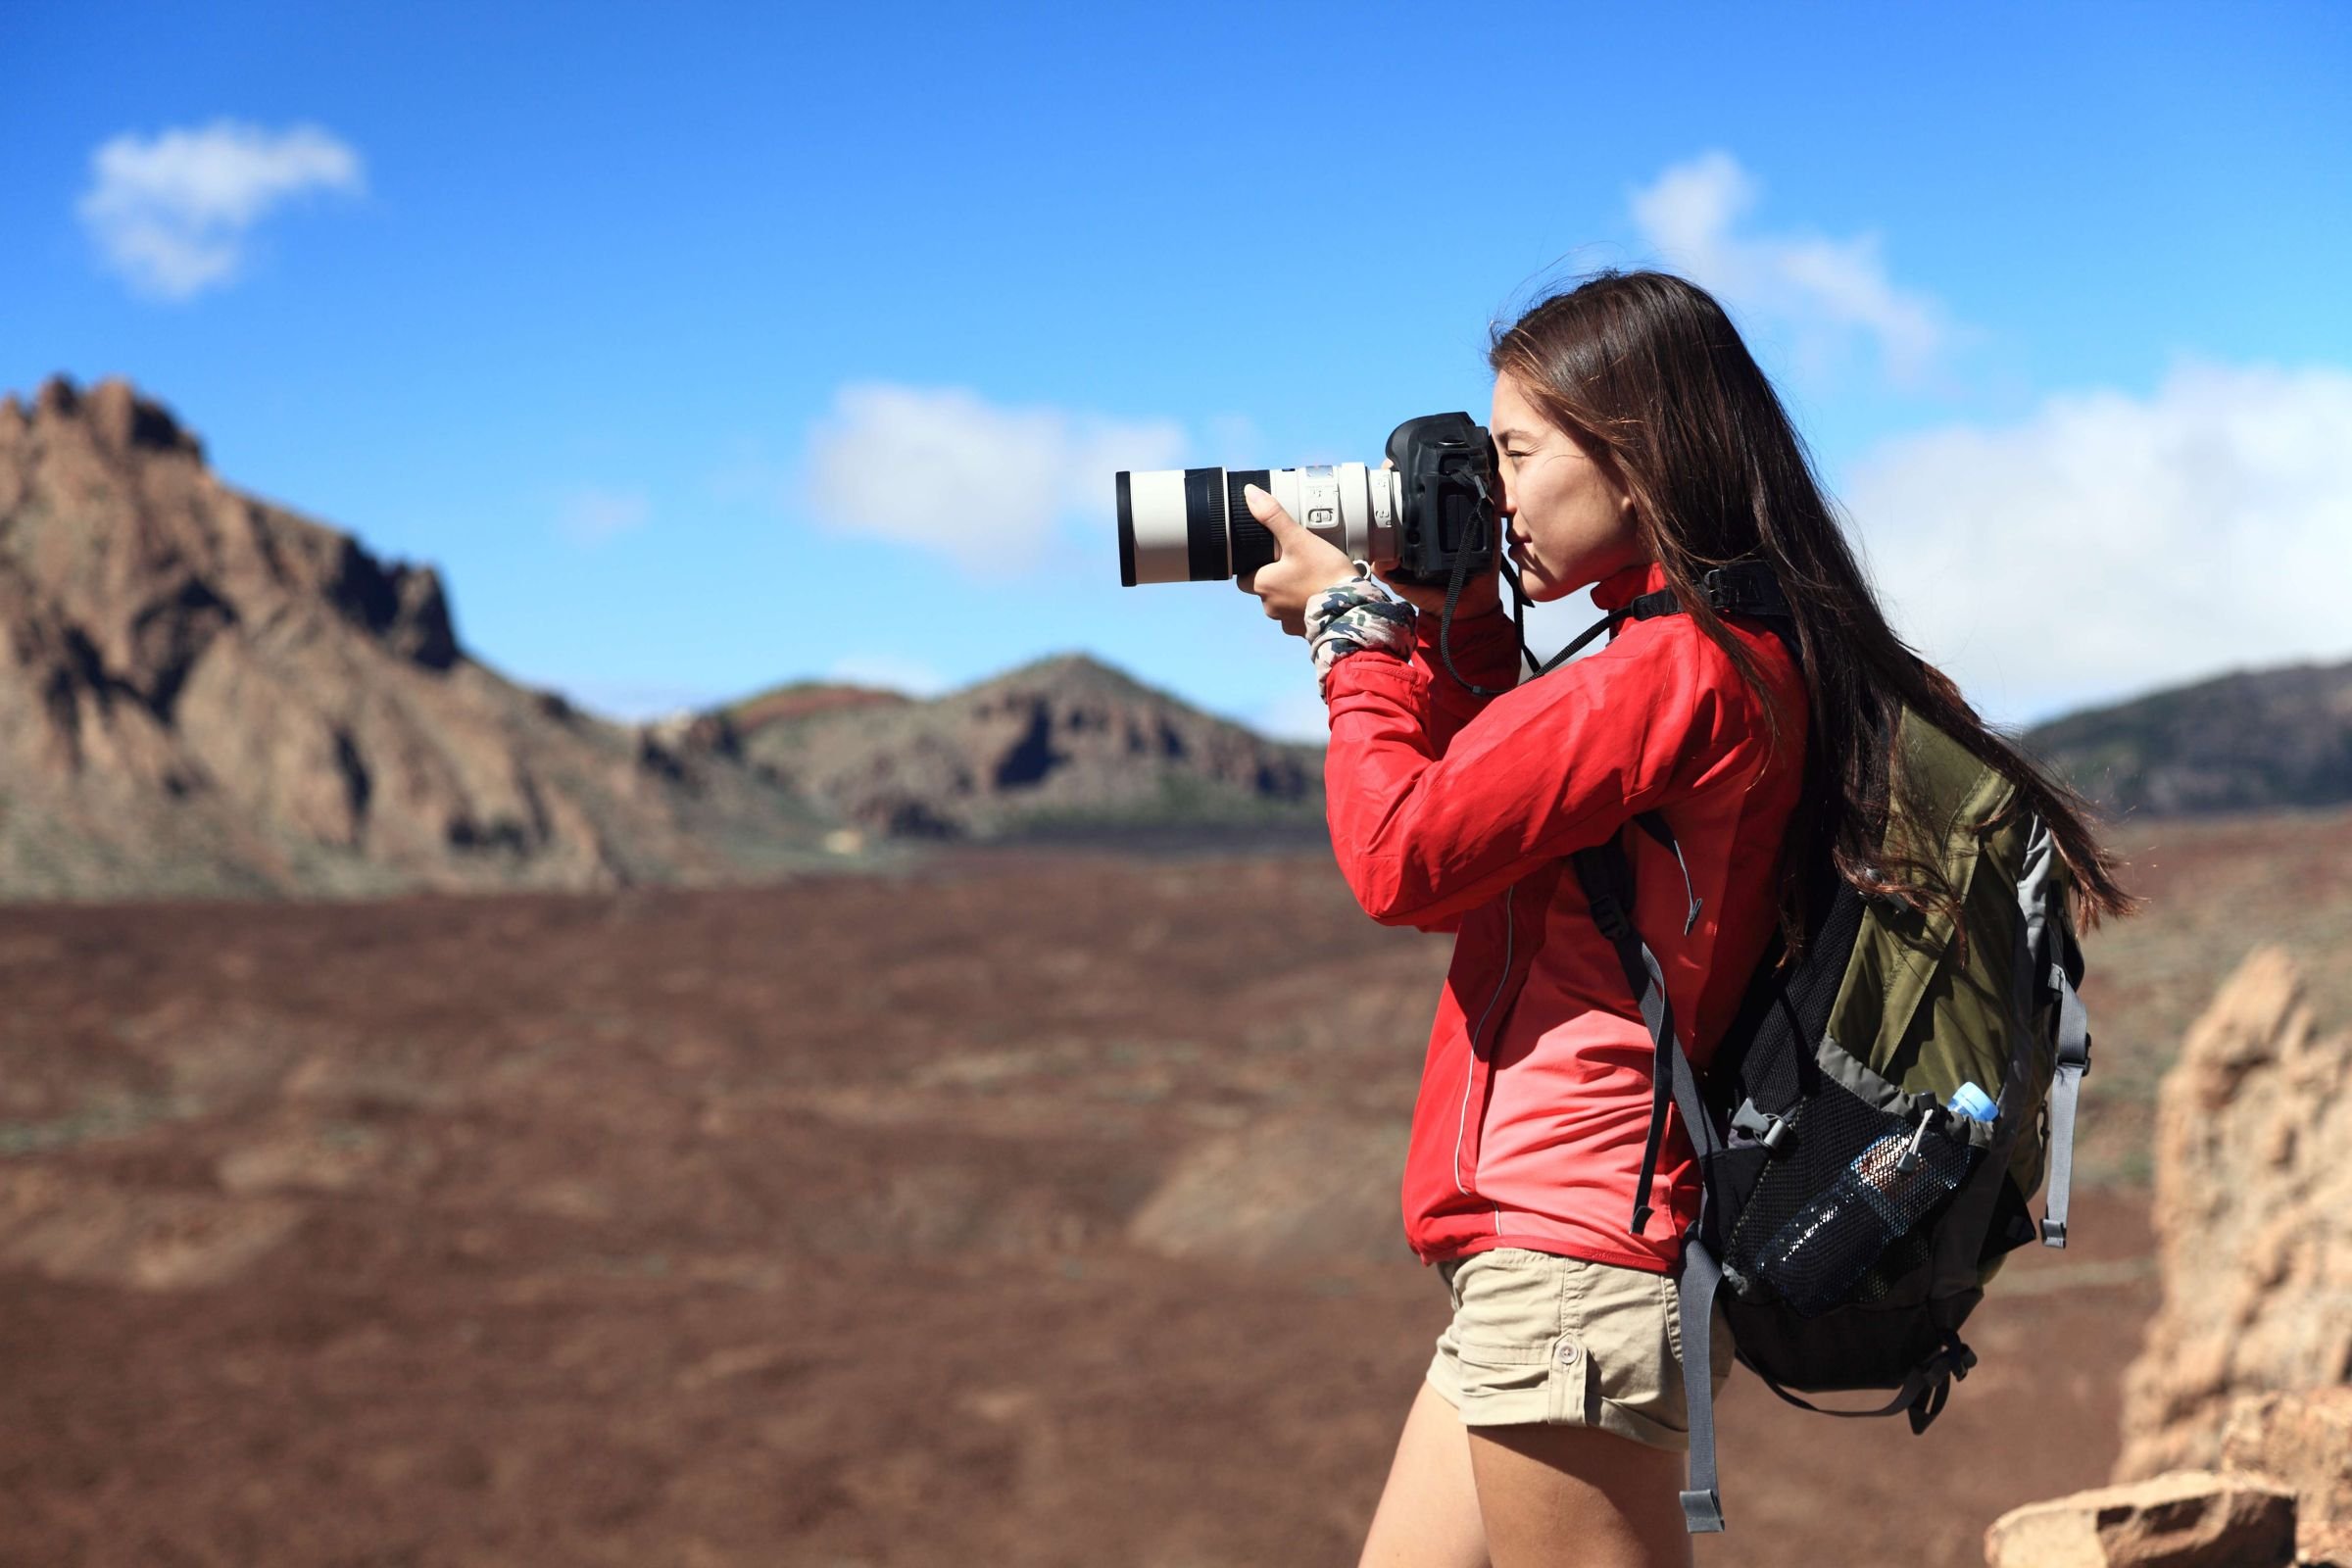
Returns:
<point x="1620" y="588"/>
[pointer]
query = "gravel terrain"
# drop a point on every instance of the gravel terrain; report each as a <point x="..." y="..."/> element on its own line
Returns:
<point x="1028" y="1206"/>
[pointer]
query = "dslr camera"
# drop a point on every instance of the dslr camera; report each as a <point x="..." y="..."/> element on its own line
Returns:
<point x="1430" y="517"/>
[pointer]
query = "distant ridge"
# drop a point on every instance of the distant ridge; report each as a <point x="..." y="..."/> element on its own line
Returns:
<point x="800" y="699"/>
<point x="2253" y="741"/>
<point x="1063" y="744"/>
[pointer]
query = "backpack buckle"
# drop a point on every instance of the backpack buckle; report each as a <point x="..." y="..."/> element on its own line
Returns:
<point x="1743" y="589"/>
<point x="1609" y="915"/>
<point x="1773" y="1131"/>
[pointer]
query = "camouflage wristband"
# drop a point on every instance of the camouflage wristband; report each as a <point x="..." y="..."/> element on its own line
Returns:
<point x="1356" y="617"/>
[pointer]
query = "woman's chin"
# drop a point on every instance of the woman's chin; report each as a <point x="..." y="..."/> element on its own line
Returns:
<point x="1539" y="587"/>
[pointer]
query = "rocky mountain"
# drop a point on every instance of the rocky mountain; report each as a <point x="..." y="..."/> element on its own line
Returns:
<point x="1063" y="744"/>
<point x="2250" y="741"/>
<point x="202" y="693"/>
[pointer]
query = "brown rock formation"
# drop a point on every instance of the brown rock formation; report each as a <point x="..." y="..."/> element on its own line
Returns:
<point x="2183" y="1520"/>
<point x="203" y="693"/>
<point x="1065" y="741"/>
<point x="2253" y="1212"/>
<point x="2302" y="1441"/>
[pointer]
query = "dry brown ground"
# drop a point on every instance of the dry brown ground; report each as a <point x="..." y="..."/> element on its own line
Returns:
<point x="1025" y="1209"/>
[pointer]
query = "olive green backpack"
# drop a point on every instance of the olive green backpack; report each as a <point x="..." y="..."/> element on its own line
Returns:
<point x="1871" y="1126"/>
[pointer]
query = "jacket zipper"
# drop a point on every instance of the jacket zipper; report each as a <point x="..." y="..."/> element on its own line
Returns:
<point x="1470" y="1067"/>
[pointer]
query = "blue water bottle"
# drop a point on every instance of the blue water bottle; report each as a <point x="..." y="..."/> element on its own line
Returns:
<point x="1972" y="1103"/>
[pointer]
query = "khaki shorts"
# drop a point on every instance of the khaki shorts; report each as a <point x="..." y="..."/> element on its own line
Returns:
<point x="1540" y="1338"/>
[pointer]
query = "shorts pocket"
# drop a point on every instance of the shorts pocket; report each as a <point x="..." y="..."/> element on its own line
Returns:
<point x="1505" y="1385"/>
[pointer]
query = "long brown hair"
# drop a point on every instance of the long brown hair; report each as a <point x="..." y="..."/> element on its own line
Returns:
<point x="1646" y="373"/>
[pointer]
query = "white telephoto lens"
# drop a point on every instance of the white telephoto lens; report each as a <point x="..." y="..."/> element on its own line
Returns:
<point x="1193" y="524"/>
<point x="1175" y="525"/>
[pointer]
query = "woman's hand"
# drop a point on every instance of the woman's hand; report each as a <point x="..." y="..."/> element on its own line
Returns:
<point x="1307" y="563"/>
<point x="1482" y="591"/>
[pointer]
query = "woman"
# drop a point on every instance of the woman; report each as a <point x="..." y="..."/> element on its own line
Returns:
<point x="1639" y="446"/>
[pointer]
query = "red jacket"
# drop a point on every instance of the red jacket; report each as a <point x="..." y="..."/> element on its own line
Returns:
<point x="1455" y="812"/>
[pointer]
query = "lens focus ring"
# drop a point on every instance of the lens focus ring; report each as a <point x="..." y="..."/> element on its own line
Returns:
<point x="1209" y="558"/>
<point x="1253" y="542"/>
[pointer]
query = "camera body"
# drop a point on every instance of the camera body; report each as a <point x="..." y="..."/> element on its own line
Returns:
<point x="1445" y="471"/>
<point x="1415" y="521"/>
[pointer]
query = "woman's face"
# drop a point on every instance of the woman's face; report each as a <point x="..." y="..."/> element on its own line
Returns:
<point x="1567" y="523"/>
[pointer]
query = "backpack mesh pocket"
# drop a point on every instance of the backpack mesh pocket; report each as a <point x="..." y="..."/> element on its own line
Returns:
<point x="1824" y="1213"/>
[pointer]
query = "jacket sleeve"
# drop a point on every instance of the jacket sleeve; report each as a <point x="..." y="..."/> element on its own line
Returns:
<point x="1423" y="834"/>
<point x="1484" y="648"/>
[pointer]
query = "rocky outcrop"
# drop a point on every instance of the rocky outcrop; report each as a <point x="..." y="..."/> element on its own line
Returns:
<point x="2188" y="1520"/>
<point x="2253" y="1212"/>
<point x="204" y="693"/>
<point x="2237" y="1419"/>
<point x="1063" y="742"/>
<point x="2303" y="1441"/>
<point x="2283" y="1495"/>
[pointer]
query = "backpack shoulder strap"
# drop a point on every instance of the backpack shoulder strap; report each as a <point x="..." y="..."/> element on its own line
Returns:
<point x="1742" y="588"/>
<point x="2073" y="1060"/>
<point x="1607" y="875"/>
<point x="1607" y="878"/>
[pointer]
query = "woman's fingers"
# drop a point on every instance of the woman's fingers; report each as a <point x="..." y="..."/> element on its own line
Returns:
<point x="1278" y="522"/>
<point x="1267" y="510"/>
<point x="1304" y="563"/>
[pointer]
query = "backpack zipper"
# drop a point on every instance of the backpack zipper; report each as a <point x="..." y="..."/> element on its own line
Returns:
<point x="1470" y="1067"/>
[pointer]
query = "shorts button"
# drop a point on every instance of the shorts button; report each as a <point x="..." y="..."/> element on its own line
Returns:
<point x="1567" y="1352"/>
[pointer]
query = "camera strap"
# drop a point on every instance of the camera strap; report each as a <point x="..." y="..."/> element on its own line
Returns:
<point x="1459" y="578"/>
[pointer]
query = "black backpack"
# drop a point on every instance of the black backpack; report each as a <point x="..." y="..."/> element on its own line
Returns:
<point x="1872" y="1123"/>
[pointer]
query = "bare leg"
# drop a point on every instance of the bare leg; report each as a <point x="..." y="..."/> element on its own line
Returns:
<point x="1560" y="1495"/>
<point x="1427" y="1515"/>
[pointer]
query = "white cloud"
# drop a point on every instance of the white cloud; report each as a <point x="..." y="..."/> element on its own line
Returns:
<point x="2111" y="545"/>
<point x="591" y="516"/>
<point x="1694" y="216"/>
<point x="890" y="671"/>
<point x="942" y="469"/>
<point x="171" y="214"/>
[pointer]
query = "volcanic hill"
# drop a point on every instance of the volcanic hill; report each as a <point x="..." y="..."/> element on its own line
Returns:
<point x="1064" y="745"/>
<point x="201" y="693"/>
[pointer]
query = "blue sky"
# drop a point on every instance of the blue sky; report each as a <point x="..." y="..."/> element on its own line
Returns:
<point x="703" y="347"/>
